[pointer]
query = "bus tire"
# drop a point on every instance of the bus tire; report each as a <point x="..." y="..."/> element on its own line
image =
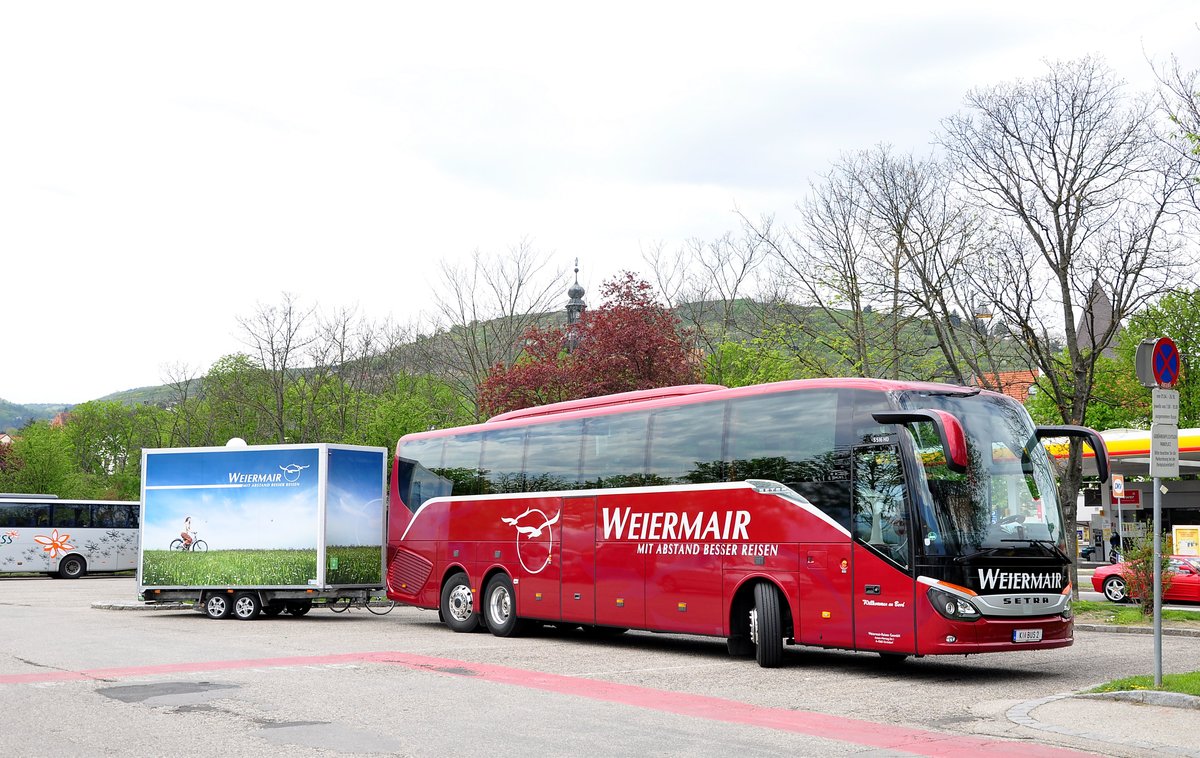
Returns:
<point x="457" y="599"/>
<point x="766" y="626"/>
<point x="217" y="606"/>
<point x="246" y="606"/>
<point x="500" y="607"/>
<point x="72" y="567"/>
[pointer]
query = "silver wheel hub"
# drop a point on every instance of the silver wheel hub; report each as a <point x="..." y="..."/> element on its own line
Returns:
<point x="500" y="606"/>
<point x="754" y="625"/>
<point x="460" y="603"/>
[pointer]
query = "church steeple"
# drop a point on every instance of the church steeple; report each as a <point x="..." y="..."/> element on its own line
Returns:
<point x="575" y="304"/>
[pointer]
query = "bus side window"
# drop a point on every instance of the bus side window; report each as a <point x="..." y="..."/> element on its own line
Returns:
<point x="72" y="516"/>
<point x="614" y="452"/>
<point x="503" y="458"/>
<point x="102" y="517"/>
<point x="552" y="457"/>
<point x="460" y="463"/>
<point x="685" y="444"/>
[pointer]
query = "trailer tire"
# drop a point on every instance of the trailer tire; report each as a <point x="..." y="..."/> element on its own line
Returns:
<point x="272" y="609"/>
<point x="246" y="606"/>
<point x="500" y="607"/>
<point x="457" y="604"/>
<point x="217" y="606"/>
<point x="299" y="607"/>
<point x="72" y="567"/>
<point x="766" y="626"/>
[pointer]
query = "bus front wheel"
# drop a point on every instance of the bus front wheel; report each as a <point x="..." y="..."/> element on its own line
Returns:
<point x="500" y="607"/>
<point x="72" y="567"/>
<point x="457" y="602"/>
<point x="766" y="626"/>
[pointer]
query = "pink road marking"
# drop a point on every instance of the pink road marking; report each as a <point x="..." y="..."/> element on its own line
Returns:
<point x="824" y="726"/>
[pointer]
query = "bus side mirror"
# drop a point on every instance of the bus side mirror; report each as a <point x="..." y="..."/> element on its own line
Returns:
<point x="1088" y="435"/>
<point x="950" y="432"/>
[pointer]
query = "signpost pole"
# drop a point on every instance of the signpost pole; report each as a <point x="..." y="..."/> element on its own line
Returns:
<point x="1157" y="582"/>
<point x="1157" y="362"/>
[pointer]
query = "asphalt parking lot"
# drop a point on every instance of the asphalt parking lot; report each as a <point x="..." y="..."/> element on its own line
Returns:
<point x="77" y="680"/>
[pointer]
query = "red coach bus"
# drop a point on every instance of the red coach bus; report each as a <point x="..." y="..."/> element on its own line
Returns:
<point x="895" y="517"/>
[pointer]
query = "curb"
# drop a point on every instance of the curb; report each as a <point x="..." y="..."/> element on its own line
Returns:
<point x="1147" y="697"/>
<point x="1107" y="628"/>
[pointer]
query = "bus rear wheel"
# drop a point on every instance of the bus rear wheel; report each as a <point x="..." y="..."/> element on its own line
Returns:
<point x="457" y="604"/>
<point x="72" y="567"/>
<point x="500" y="607"/>
<point x="766" y="626"/>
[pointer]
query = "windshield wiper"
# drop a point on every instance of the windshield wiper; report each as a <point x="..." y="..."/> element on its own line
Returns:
<point x="976" y="554"/>
<point x="1050" y="545"/>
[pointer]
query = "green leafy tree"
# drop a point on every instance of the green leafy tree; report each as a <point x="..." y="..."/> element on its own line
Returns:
<point x="1175" y="315"/>
<point x="42" y="461"/>
<point x="106" y="440"/>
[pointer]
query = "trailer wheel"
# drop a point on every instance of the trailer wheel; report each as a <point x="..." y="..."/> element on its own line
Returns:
<point x="246" y="606"/>
<point x="457" y="600"/>
<point x="272" y="609"/>
<point x="72" y="567"/>
<point x="217" y="606"/>
<point x="299" y="607"/>
<point x="766" y="626"/>
<point x="500" y="607"/>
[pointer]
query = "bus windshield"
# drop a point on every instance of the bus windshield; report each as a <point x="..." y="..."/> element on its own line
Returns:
<point x="1006" y="502"/>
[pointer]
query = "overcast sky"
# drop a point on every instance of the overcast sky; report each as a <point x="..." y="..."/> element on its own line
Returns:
<point x="166" y="166"/>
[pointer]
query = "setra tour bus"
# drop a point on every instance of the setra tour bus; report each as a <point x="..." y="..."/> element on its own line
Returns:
<point x="902" y="518"/>
<point x="67" y="538"/>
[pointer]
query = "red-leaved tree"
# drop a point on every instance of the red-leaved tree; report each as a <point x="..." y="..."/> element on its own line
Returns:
<point x="630" y="342"/>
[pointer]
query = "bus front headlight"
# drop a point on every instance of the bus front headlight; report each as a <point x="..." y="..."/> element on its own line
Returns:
<point x="952" y="606"/>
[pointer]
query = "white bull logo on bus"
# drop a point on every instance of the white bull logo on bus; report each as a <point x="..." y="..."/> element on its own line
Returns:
<point x="535" y="538"/>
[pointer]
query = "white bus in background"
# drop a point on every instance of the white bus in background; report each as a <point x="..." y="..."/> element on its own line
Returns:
<point x="67" y="538"/>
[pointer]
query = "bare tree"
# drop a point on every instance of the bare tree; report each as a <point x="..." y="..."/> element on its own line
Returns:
<point x="711" y="285"/>
<point x="278" y="340"/>
<point x="1179" y="98"/>
<point x="184" y="383"/>
<point x="1091" y="207"/>
<point x="483" y="309"/>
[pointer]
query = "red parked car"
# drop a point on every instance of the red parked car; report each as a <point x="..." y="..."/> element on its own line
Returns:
<point x="1185" y="581"/>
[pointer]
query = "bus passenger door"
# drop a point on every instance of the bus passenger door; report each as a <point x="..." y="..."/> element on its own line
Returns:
<point x="579" y="560"/>
<point x="883" y="587"/>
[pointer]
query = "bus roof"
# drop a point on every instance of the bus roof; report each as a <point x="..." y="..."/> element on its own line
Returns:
<point x="683" y="395"/>
<point x="603" y="401"/>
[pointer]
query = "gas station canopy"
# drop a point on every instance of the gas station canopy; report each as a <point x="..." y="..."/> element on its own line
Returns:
<point x="1129" y="452"/>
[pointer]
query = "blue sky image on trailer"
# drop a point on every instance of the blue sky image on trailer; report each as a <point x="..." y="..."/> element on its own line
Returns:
<point x="354" y="505"/>
<point x="253" y="499"/>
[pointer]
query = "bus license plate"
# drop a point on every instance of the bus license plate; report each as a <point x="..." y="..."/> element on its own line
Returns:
<point x="1027" y="635"/>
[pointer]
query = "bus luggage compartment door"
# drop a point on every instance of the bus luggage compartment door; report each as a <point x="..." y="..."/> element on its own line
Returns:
<point x="579" y="560"/>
